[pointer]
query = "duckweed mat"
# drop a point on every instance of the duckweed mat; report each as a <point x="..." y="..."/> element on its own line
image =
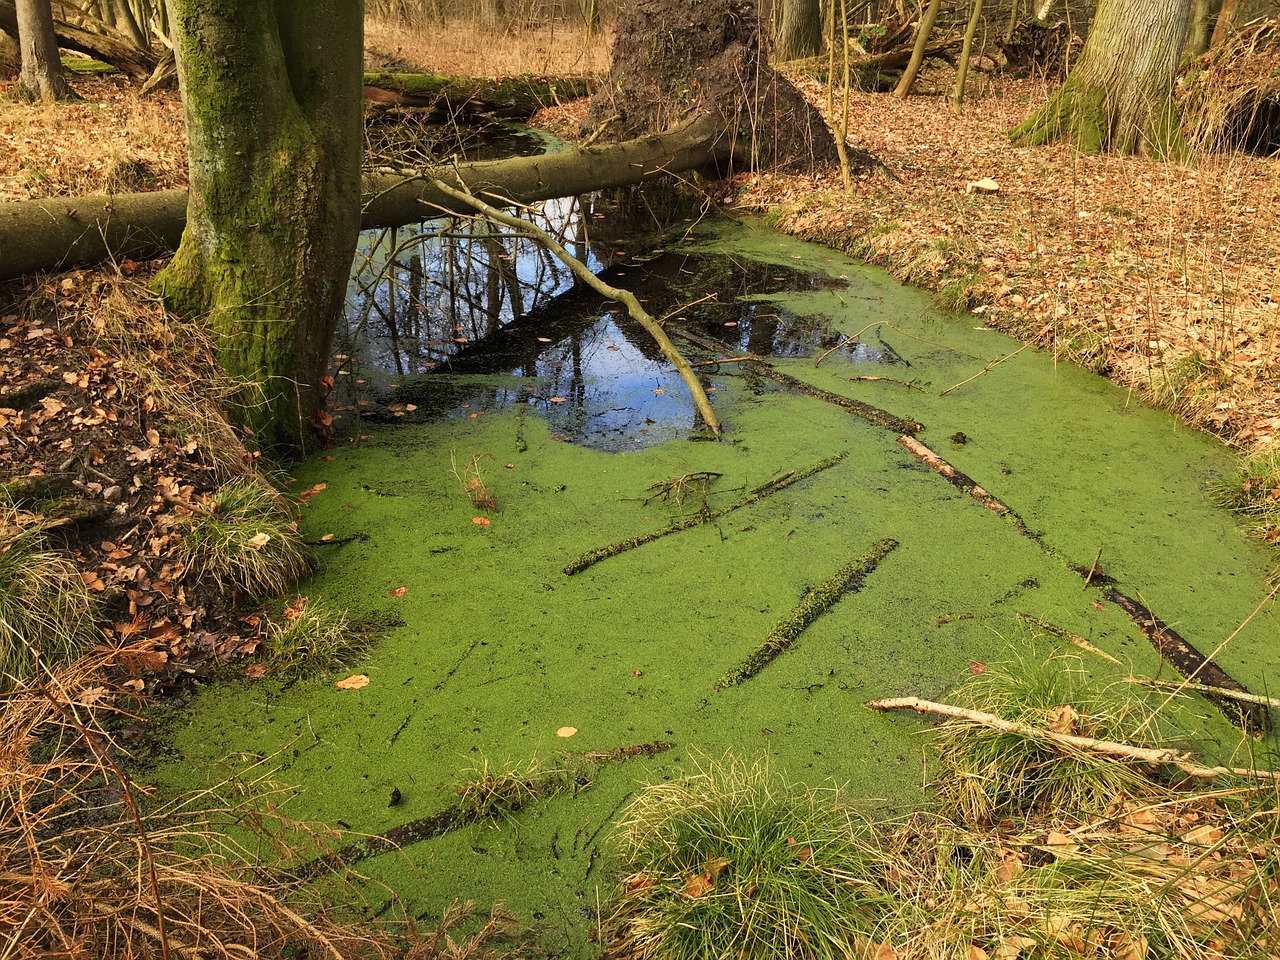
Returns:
<point x="504" y="660"/>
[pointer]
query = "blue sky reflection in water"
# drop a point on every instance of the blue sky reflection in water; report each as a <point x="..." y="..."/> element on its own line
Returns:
<point x="458" y="319"/>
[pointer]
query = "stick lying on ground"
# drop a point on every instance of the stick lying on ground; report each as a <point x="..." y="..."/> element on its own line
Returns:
<point x="452" y="818"/>
<point x="625" y="297"/>
<point x="1179" y="685"/>
<point x="848" y="579"/>
<point x="1185" y="658"/>
<point x="592" y="557"/>
<point x="958" y="480"/>
<point x="1109" y="748"/>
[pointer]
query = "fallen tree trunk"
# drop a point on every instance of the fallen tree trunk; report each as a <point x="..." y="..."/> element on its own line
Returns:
<point x="118" y="52"/>
<point x="515" y="98"/>
<point x="66" y="232"/>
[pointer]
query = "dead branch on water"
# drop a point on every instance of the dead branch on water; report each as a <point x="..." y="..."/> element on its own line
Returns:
<point x="848" y="579"/>
<point x="592" y="557"/>
<point x="625" y="297"/>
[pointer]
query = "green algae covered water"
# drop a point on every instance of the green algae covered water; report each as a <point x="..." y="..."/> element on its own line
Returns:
<point x="500" y="654"/>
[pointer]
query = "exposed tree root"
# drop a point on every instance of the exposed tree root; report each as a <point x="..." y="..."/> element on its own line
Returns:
<point x="592" y="557"/>
<point x="848" y="579"/>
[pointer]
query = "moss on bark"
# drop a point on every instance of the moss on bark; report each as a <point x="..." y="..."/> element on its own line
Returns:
<point x="272" y="100"/>
<point x="1119" y="96"/>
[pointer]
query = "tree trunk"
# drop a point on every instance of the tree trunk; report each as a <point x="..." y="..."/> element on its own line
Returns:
<point x="1203" y="13"/>
<point x="1119" y="95"/>
<point x="917" y="53"/>
<point x="115" y="50"/>
<point x="274" y="130"/>
<point x="962" y="69"/>
<point x="799" y="30"/>
<point x="41" y="77"/>
<point x="1226" y="23"/>
<point x="512" y="98"/>
<point x="63" y="233"/>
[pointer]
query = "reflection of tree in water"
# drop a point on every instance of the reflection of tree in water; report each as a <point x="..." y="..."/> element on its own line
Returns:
<point x="417" y="297"/>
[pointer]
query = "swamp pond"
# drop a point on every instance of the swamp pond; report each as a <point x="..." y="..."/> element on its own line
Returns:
<point x="584" y="437"/>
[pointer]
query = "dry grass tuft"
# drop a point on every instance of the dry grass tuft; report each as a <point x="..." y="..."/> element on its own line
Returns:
<point x="171" y="367"/>
<point x="94" y="867"/>
<point x="47" y="614"/>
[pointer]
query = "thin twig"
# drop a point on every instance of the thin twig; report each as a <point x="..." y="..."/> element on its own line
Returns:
<point x="989" y="367"/>
<point x="1178" y="686"/>
<point x="1070" y="637"/>
<point x="1093" y="568"/>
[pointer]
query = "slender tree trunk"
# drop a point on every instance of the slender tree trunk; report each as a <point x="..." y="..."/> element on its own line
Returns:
<point x="1226" y="23"/>
<point x="109" y="47"/>
<point x="1203" y="13"/>
<point x="41" y="77"/>
<point x="962" y="70"/>
<point x="274" y="128"/>
<point x="903" y="89"/>
<point x="799" y="30"/>
<point x="1119" y="95"/>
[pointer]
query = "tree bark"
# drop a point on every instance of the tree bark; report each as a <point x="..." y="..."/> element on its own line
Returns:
<point x="1119" y="95"/>
<point x="1225" y="24"/>
<point x="116" y="51"/>
<point x="903" y="89"/>
<point x="799" y="30"/>
<point x="63" y="232"/>
<point x="275" y="129"/>
<point x="1203" y="14"/>
<point x="41" y="76"/>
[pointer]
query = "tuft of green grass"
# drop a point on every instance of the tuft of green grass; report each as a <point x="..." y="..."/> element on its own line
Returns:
<point x="986" y="774"/>
<point x="244" y="539"/>
<point x="736" y="862"/>
<point x="308" y="637"/>
<point x="1254" y="493"/>
<point x="45" y="608"/>
<point x="490" y="790"/>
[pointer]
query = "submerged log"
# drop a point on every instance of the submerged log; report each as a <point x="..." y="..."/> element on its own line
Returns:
<point x="61" y="233"/>
<point x="848" y="579"/>
<point x="1194" y="665"/>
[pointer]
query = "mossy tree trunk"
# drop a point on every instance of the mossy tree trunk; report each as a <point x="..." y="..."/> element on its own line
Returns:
<point x="799" y="30"/>
<point x="1119" y="96"/>
<point x="41" y="77"/>
<point x="272" y="94"/>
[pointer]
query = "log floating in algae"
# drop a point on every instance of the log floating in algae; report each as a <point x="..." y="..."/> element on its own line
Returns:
<point x="848" y="579"/>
